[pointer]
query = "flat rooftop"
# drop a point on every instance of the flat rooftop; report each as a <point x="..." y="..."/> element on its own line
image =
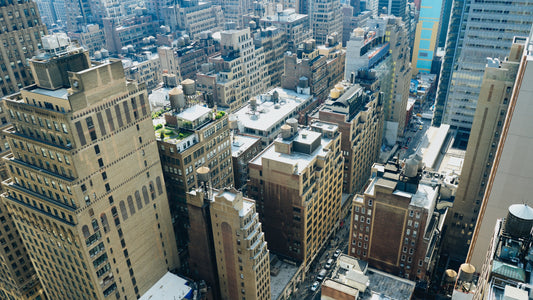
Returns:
<point x="170" y="286"/>
<point x="241" y="143"/>
<point x="432" y="143"/>
<point x="193" y="113"/>
<point x="268" y="113"/>
<point x="425" y="196"/>
<point x="284" y="274"/>
<point x="386" y="286"/>
<point x="300" y="160"/>
<point x="61" y="93"/>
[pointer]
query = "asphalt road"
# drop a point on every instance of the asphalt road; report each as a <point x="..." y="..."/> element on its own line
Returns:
<point x="339" y="241"/>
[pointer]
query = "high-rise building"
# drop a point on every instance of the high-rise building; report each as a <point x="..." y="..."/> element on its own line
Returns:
<point x="509" y="180"/>
<point x="274" y="43"/>
<point x="506" y="259"/>
<point x="235" y="9"/>
<point x="392" y="7"/>
<point x="238" y="73"/>
<point x="77" y="12"/>
<point x="21" y="38"/>
<point x="326" y="18"/>
<point x="477" y="30"/>
<point x="192" y="136"/>
<point x="228" y="242"/>
<point x="297" y="185"/>
<point x="18" y="279"/>
<point x="306" y="69"/>
<point x="296" y="26"/>
<point x="427" y="31"/>
<point x="492" y="105"/>
<point x="193" y="17"/>
<point x="241" y="251"/>
<point x="383" y="46"/>
<point x="86" y="185"/>
<point x="335" y="58"/>
<point x="395" y="225"/>
<point x="358" y="112"/>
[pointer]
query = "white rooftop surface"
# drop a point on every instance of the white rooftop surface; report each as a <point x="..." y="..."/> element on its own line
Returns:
<point x="302" y="160"/>
<point x="246" y="207"/>
<point x="452" y="161"/>
<point x="268" y="114"/>
<point x="159" y="97"/>
<point x="170" y="286"/>
<point x="431" y="144"/>
<point x="59" y="93"/>
<point x="280" y="281"/>
<point x="241" y="143"/>
<point x="194" y="112"/>
<point x="424" y="197"/>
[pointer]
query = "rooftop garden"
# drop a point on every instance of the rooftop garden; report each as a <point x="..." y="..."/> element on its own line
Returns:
<point x="167" y="132"/>
<point x="157" y="114"/>
<point x="220" y="114"/>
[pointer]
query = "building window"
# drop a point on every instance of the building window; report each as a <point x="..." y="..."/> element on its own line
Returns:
<point x="123" y="210"/>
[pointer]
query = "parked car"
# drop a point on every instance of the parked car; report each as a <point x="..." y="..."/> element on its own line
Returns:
<point x="329" y="263"/>
<point x="337" y="253"/>
<point x="321" y="275"/>
<point x="315" y="286"/>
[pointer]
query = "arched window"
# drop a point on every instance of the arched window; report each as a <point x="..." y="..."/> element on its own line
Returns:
<point x="159" y="186"/>
<point x="85" y="230"/>
<point x="145" y="195"/>
<point x="130" y="205"/>
<point x="123" y="210"/>
<point x="152" y="191"/>
<point x="103" y="220"/>
<point x="138" y="200"/>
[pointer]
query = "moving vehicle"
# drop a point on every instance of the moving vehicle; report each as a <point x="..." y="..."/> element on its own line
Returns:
<point x="315" y="286"/>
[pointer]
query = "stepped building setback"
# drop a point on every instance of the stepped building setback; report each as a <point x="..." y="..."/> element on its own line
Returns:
<point x="86" y="184"/>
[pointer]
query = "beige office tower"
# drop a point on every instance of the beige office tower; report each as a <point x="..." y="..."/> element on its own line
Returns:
<point x="18" y="279"/>
<point x="297" y="183"/>
<point x="86" y="187"/>
<point x="510" y="178"/>
<point x="21" y="33"/>
<point x="492" y="104"/>
<point x="241" y="251"/>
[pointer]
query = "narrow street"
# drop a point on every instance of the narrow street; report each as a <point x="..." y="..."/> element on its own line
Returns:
<point x="339" y="241"/>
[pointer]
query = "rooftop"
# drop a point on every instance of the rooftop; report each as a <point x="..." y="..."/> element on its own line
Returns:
<point x="268" y="114"/>
<point x="170" y="286"/>
<point x="386" y="286"/>
<point x="299" y="161"/>
<point x="61" y="93"/>
<point x="193" y="113"/>
<point x="351" y="272"/>
<point x="281" y="274"/>
<point x="241" y="143"/>
<point x="432" y="143"/>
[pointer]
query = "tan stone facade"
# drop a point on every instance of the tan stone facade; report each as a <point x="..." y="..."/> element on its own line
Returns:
<point x="492" y="104"/>
<point x="204" y="143"/>
<point x="360" y="119"/>
<point x="20" y="37"/>
<point x="86" y="184"/>
<point x="241" y="251"/>
<point x="297" y="183"/>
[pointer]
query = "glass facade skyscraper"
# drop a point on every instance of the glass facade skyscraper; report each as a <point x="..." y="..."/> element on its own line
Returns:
<point x="477" y="30"/>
